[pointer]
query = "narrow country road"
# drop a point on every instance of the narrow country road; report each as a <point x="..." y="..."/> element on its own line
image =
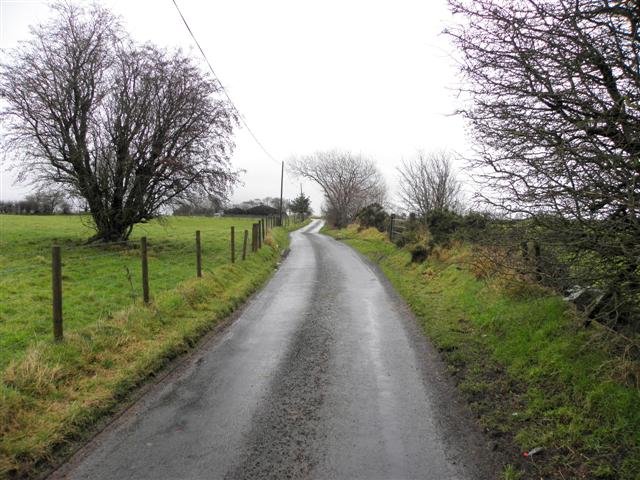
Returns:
<point x="323" y="375"/>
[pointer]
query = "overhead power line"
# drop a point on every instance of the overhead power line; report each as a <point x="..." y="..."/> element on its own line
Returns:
<point x="244" y="122"/>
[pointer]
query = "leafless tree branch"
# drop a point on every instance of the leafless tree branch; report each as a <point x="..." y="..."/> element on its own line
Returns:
<point x="349" y="182"/>
<point x="127" y="128"/>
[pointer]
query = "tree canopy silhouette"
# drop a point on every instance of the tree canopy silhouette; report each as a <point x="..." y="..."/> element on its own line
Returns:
<point x="128" y="128"/>
<point x="553" y="100"/>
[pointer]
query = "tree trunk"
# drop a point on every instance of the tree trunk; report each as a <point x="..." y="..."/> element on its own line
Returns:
<point x="109" y="231"/>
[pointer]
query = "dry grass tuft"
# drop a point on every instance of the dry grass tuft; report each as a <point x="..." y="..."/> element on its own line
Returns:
<point x="269" y="241"/>
<point x="10" y="403"/>
<point x="32" y="374"/>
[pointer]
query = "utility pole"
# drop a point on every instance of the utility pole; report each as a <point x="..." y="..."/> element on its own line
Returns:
<point x="281" y="185"/>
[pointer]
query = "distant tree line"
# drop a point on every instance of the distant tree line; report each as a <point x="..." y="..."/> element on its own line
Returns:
<point x="202" y="206"/>
<point x="271" y="206"/>
<point x="258" y="206"/>
<point x="259" y="210"/>
<point x="349" y="182"/>
<point x="39" y="203"/>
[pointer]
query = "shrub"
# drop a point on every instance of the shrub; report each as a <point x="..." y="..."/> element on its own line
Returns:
<point x="420" y="252"/>
<point x="443" y="224"/>
<point x="373" y="216"/>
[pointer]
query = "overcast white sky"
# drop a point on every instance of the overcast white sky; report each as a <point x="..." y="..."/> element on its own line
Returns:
<point x="373" y="77"/>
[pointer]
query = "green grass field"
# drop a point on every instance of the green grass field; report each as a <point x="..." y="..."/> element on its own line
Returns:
<point x="97" y="280"/>
<point x="52" y="394"/>
<point x="520" y="354"/>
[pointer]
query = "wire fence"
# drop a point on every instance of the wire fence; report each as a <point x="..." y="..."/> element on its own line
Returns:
<point x="67" y="286"/>
<point x="397" y="226"/>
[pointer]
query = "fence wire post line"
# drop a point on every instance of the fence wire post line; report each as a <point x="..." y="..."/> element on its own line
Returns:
<point x="233" y="244"/>
<point x="254" y="238"/>
<point x="537" y="255"/>
<point x="198" y="255"/>
<point x="145" y="269"/>
<point x="56" y="283"/>
<point x="103" y="266"/>
<point x="244" y="244"/>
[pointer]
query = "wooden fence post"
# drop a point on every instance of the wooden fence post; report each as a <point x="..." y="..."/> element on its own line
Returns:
<point x="393" y="216"/>
<point x="198" y="255"/>
<point x="254" y="242"/>
<point x="536" y="254"/>
<point x="263" y="229"/>
<point x="244" y="244"/>
<point x="145" y="269"/>
<point x="56" y="283"/>
<point x="258" y="229"/>
<point x="233" y="244"/>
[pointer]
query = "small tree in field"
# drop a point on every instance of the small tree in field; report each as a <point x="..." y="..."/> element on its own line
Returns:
<point x="301" y="204"/>
<point x="428" y="183"/>
<point x="127" y="128"/>
<point x="349" y="182"/>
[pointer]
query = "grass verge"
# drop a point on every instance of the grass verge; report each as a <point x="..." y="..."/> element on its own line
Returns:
<point x="531" y="372"/>
<point x="52" y="394"/>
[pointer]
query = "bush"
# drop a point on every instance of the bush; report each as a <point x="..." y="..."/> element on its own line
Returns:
<point x="420" y="252"/>
<point x="262" y="210"/>
<point x="257" y="210"/>
<point x="235" y="211"/>
<point x="442" y="225"/>
<point x="373" y="216"/>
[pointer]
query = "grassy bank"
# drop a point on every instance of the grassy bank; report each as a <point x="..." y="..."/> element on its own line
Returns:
<point x="532" y="373"/>
<point x="51" y="394"/>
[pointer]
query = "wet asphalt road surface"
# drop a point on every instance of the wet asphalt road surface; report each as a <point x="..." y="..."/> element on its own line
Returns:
<point x="324" y="374"/>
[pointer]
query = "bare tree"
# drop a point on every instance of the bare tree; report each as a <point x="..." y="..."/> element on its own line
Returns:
<point x="554" y="105"/>
<point x="51" y="200"/>
<point x="127" y="128"/>
<point x="349" y="182"/>
<point x="428" y="183"/>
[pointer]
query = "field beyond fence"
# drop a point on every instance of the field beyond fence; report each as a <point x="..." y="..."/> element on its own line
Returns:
<point x="100" y="279"/>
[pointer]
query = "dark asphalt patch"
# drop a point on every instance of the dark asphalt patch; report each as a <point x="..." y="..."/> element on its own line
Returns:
<point x="287" y="425"/>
